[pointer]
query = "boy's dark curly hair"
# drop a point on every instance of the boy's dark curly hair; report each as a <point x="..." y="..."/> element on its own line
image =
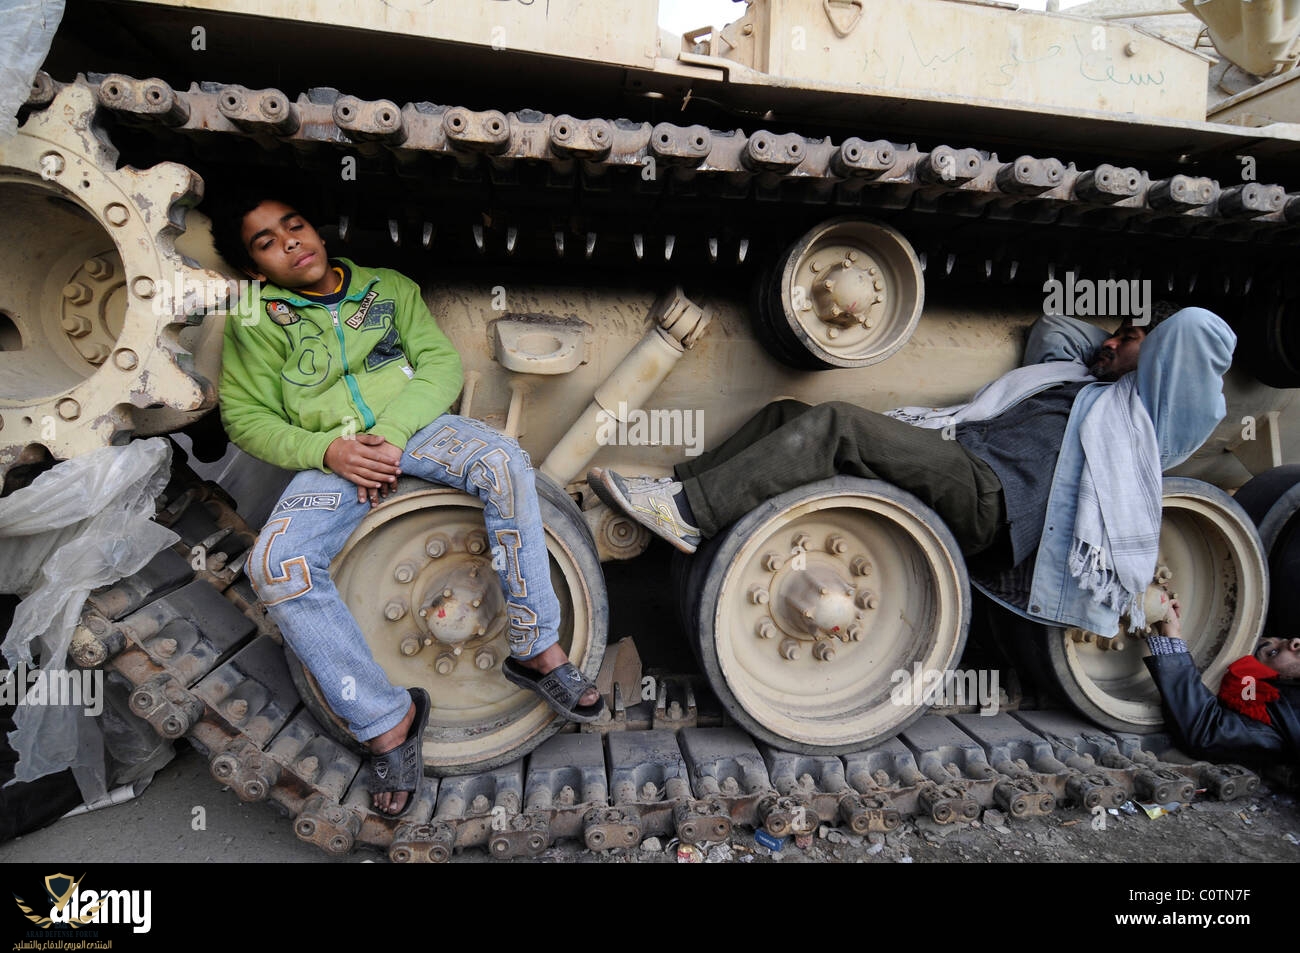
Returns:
<point x="227" y="211"/>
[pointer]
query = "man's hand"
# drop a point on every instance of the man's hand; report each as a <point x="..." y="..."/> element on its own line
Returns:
<point x="1171" y="625"/>
<point x="369" y="461"/>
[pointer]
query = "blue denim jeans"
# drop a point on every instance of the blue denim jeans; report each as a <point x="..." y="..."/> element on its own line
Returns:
<point x="289" y="565"/>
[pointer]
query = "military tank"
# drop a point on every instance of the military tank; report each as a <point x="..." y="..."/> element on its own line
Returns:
<point x="636" y="240"/>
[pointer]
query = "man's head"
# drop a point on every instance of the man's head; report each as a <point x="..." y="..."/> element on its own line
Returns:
<point x="1280" y="654"/>
<point x="270" y="240"/>
<point x="1118" y="354"/>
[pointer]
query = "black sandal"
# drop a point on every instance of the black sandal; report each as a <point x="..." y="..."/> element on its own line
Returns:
<point x="401" y="769"/>
<point x="561" y="688"/>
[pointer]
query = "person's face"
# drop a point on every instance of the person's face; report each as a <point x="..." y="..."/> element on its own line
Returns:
<point x="1282" y="655"/>
<point x="1118" y="354"/>
<point x="285" y="249"/>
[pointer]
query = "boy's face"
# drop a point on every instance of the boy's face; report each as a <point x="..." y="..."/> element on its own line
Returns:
<point x="285" y="249"/>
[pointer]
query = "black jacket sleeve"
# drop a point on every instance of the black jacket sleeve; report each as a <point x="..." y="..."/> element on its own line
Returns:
<point x="1206" y="728"/>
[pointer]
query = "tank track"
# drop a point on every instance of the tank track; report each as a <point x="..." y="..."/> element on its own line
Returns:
<point x="787" y="167"/>
<point x="200" y="660"/>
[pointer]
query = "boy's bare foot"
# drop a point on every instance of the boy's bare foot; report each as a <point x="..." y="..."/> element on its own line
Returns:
<point x="391" y="802"/>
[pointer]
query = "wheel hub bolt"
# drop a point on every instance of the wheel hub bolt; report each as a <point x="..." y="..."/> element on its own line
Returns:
<point x="789" y="650"/>
<point x="410" y="645"/>
<point x="766" y="630"/>
<point x="77" y="293"/>
<point x="477" y="544"/>
<point x="404" y="573"/>
<point x="856" y="632"/>
<point x="836" y="545"/>
<point x="861" y="566"/>
<point x="801" y="541"/>
<point x="866" y="599"/>
<point x="445" y="663"/>
<point x="77" y="326"/>
<point x="772" y="562"/>
<point x="758" y="595"/>
<point x="823" y="652"/>
<point x="484" y="659"/>
<point x="436" y="546"/>
<point x="98" y="268"/>
<point x="395" y="610"/>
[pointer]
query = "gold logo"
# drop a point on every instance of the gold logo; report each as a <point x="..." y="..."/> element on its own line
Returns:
<point x="60" y="888"/>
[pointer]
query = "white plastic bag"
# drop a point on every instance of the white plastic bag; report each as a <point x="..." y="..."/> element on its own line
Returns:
<point x="86" y="523"/>
<point x="28" y="29"/>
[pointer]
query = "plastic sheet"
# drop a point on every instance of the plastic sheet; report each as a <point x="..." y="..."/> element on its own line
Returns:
<point x="29" y="27"/>
<point x="86" y="523"/>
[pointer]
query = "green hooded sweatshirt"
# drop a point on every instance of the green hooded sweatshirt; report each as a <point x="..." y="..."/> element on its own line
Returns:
<point x="297" y="373"/>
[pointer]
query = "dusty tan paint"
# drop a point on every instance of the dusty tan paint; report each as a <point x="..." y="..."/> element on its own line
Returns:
<point x="728" y="375"/>
<point x="990" y="53"/>
<point x="1257" y="35"/>
<point x="624" y="33"/>
<point x="1274" y="101"/>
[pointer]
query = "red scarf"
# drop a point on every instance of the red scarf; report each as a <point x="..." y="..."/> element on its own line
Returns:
<point x="1246" y="688"/>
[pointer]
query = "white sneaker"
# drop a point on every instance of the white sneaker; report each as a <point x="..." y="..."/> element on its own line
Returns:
<point x="649" y="501"/>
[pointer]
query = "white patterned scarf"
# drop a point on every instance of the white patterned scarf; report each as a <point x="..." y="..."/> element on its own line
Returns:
<point x="1117" y="527"/>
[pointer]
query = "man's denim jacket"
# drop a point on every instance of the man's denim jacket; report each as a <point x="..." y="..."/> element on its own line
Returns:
<point x="1180" y="381"/>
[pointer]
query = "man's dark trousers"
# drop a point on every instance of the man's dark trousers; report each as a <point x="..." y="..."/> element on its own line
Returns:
<point x="789" y="443"/>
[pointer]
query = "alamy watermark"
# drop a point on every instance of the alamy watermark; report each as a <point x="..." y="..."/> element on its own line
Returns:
<point x="82" y="688"/>
<point x="948" y="688"/>
<point x="1086" y="298"/>
<point x="184" y="296"/>
<point x="652" y="428"/>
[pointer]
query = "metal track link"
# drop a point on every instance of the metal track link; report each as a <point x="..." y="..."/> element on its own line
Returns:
<point x="202" y="666"/>
<point x="788" y="167"/>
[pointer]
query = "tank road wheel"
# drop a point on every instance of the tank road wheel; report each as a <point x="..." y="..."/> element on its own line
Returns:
<point x="816" y="614"/>
<point x="89" y="328"/>
<point x="847" y="294"/>
<point x="1211" y="558"/>
<point x="418" y="576"/>
<point x="1272" y="501"/>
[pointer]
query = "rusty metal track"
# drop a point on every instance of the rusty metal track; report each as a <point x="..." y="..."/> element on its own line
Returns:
<point x="785" y="166"/>
<point x="205" y="663"/>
